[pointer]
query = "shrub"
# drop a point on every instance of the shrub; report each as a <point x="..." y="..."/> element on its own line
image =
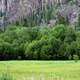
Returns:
<point x="60" y="42"/>
<point x="75" y="57"/>
<point x="63" y="51"/>
<point x="34" y="48"/>
<point x="70" y="57"/>
<point x="70" y="35"/>
<point x="43" y="49"/>
<point x="31" y="50"/>
<point x="62" y="20"/>
<point x="8" y="51"/>
<point x="59" y="32"/>
<point x="45" y="52"/>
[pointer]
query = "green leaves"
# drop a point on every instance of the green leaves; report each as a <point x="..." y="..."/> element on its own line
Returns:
<point x="59" y="42"/>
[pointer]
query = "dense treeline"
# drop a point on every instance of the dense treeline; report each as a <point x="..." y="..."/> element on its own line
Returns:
<point x="57" y="43"/>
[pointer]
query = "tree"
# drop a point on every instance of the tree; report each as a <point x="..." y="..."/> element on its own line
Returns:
<point x="59" y="32"/>
<point x="70" y="35"/>
<point x="63" y="52"/>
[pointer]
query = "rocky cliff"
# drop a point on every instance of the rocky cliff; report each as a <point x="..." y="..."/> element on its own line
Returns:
<point x="12" y="10"/>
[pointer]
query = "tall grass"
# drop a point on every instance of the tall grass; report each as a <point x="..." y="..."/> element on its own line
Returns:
<point x="6" y="76"/>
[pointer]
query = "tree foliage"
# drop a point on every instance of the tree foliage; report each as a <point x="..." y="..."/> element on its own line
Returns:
<point x="58" y="43"/>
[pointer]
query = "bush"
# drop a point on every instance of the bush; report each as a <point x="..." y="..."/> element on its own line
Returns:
<point x="34" y="48"/>
<point x="8" y="51"/>
<point x="63" y="51"/>
<point x="70" y="35"/>
<point x="45" y="52"/>
<point x="75" y="57"/>
<point x="31" y="49"/>
<point x="59" y="42"/>
<point x="43" y="49"/>
<point x="62" y="20"/>
<point x="59" y="32"/>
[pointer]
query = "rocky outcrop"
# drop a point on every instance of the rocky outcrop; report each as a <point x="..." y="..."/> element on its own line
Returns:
<point x="13" y="10"/>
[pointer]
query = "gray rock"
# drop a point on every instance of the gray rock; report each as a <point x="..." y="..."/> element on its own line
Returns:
<point x="16" y="9"/>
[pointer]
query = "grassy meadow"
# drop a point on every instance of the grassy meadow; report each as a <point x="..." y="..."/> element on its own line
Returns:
<point x="40" y="70"/>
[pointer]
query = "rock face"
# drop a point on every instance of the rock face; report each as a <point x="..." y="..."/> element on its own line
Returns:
<point x="20" y="8"/>
<point x="12" y="10"/>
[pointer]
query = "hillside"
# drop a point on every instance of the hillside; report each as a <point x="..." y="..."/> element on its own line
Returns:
<point x="12" y="10"/>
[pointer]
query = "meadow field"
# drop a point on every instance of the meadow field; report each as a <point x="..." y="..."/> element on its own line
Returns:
<point x="40" y="70"/>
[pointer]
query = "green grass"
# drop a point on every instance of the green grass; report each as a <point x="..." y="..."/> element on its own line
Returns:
<point x="41" y="70"/>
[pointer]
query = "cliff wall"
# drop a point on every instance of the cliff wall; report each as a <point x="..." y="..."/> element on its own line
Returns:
<point x="12" y="10"/>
